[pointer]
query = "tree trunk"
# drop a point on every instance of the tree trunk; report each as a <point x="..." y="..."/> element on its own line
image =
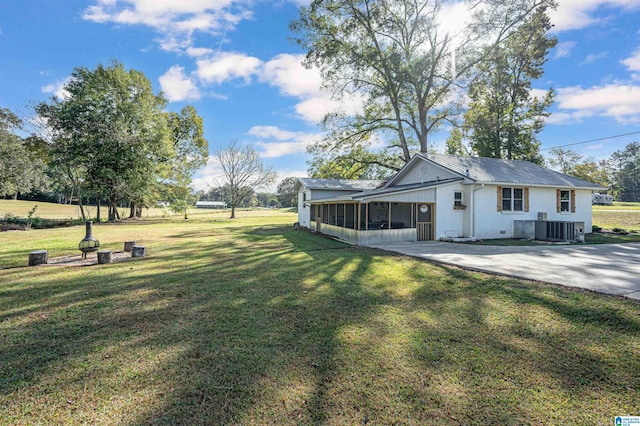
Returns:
<point x="139" y="212"/>
<point x="81" y="206"/>
<point x="15" y="196"/>
<point x="113" y="209"/>
<point x="132" y="210"/>
<point x="233" y="211"/>
<point x="98" y="213"/>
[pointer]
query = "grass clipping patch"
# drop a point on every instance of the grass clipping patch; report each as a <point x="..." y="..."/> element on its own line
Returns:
<point x="251" y="322"/>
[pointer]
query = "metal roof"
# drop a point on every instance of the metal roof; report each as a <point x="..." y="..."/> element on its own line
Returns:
<point x="382" y="191"/>
<point x="340" y="184"/>
<point x="404" y="188"/>
<point x="495" y="170"/>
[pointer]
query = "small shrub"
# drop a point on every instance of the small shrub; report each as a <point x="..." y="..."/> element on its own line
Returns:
<point x="12" y="227"/>
<point x="619" y="231"/>
<point x="596" y="228"/>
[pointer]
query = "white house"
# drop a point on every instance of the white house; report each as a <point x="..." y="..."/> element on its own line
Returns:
<point x="448" y="197"/>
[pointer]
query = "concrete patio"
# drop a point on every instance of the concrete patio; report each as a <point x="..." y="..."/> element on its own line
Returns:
<point x="605" y="268"/>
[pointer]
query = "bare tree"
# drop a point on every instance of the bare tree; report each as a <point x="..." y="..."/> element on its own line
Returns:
<point x="243" y="171"/>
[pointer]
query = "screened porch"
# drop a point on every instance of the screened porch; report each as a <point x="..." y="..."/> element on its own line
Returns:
<point x="378" y="221"/>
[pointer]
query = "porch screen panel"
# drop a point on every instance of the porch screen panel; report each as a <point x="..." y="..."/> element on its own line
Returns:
<point x="349" y="220"/>
<point x="325" y="213"/>
<point x="340" y="215"/>
<point x="363" y="217"/>
<point x="312" y="213"/>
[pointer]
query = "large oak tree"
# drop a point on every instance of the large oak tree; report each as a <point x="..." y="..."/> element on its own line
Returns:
<point x="110" y="132"/>
<point x="405" y="61"/>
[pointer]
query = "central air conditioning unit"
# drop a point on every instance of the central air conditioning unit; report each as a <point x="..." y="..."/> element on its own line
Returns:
<point x="542" y="215"/>
<point x="559" y="231"/>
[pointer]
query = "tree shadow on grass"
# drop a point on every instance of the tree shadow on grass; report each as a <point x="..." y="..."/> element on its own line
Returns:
<point x="507" y="348"/>
<point x="266" y="325"/>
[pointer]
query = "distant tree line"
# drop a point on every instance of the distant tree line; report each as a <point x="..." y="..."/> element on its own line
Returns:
<point x="620" y="173"/>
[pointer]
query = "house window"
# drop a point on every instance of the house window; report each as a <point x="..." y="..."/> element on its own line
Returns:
<point x="457" y="199"/>
<point x="512" y="199"/>
<point x="304" y="197"/>
<point x="565" y="201"/>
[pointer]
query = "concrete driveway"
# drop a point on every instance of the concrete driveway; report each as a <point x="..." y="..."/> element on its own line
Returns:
<point x="605" y="268"/>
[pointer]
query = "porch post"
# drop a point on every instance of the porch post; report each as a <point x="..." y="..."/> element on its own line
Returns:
<point x="412" y="222"/>
<point x="389" y="224"/>
<point x="359" y="215"/>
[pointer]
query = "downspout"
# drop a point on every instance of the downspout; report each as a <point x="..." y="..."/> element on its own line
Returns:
<point x="473" y="210"/>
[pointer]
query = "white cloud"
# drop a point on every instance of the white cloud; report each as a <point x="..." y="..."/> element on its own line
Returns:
<point x="291" y="77"/>
<point x="223" y="67"/>
<point x="593" y="57"/>
<point x="618" y="101"/>
<point x="196" y="52"/>
<point x="176" y="86"/>
<point x="272" y="132"/>
<point x="280" y="149"/>
<point x="175" y="21"/>
<point x="633" y="62"/>
<point x="281" y="142"/>
<point x="564" y="49"/>
<point x="57" y="89"/>
<point x="287" y="73"/>
<point x="577" y="14"/>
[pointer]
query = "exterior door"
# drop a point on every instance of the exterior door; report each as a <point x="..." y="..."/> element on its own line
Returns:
<point x="424" y="224"/>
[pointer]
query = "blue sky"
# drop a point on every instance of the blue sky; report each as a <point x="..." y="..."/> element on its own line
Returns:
<point x="234" y="61"/>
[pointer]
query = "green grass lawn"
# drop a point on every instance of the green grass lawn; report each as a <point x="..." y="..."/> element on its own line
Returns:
<point x="45" y="210"/>
<point x="252" y="322"/>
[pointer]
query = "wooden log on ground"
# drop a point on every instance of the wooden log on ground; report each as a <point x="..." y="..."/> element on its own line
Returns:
<point x="38" y="257"/>
<point x="104" y="256"/>
<point x="128" y="246"/>
<point x="137" y="251"/>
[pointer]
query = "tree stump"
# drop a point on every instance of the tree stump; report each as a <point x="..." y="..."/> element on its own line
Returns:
<point x="128" y="246"/>
<point x="38" y="257"/>
<point x="104" y="256"/>
<point x="137" y="251"/>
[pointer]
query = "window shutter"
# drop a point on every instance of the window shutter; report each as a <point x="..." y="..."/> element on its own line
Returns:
<point x="499" y="206"/>
<point x="558" y="195"/>
<point x="526" y="199"/>
<point x="573" y="201"/>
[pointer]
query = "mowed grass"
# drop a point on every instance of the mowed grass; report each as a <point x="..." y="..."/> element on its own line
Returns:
<point x="252" y="322"/>
<point x="21" y="208"/>
<point x="619" y="215"/>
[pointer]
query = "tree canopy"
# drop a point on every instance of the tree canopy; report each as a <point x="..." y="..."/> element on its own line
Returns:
<point x="503" y="118"/>
<point x="625" y="165"/>
<point x="287" y="194"/>
<point x="113" y="139"/>
<point x="404" y="61"/>
<point x="21" y="170"/>
<point x="190" y="152"/>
